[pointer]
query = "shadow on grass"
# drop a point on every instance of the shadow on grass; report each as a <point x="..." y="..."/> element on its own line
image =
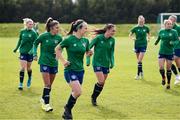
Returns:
<point x="51" y="116"/>
<point x="28" y="92"/>
<point x="151" y="83"/>
<point x="107" y="113"/>
<point x="173" y="92"/>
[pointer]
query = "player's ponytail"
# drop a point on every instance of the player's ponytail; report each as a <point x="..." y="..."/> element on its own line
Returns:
<point x="26" y="20"/>
<point x="72" y="28"/>
<point x="78" y="24"/>
<point x="103" y="30"/>
<point x="50" y="23"/>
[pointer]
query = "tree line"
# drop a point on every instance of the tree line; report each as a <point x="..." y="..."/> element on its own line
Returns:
<point x="92" y="11"/>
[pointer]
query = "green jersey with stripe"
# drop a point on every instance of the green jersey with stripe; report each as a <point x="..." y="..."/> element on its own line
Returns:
<point x="141" y="35"/>
<point x="48" y="43"/>
<point x="177" y="28"/>
<point x="169" y="38"/>
<point x="103" y="51"/>
<point x="75" y="49"/>
<point x="26" y="39"/>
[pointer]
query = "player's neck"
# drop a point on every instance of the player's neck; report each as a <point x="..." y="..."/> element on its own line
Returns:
<point x="78" y="35"/>
<point x="106" y="35"/>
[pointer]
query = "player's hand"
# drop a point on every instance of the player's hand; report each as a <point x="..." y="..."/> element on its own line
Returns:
<point x="134" y="39"/>
<point x="66" y="63"/>
<point x="90" y="53"/>
<point x="15" y="50"/>
<point x="111" y="66"/>
<point x="58" y="54"/>
<point x="171" y="43"/>
<point x="35" y="58"/>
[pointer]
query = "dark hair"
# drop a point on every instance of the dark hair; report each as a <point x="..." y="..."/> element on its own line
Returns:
<point x="103" y="30"/>
<point x="50" y="23"/>
<point x="75" y="25"/>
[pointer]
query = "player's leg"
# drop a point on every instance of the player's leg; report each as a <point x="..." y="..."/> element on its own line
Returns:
<point x="161" y="62"/>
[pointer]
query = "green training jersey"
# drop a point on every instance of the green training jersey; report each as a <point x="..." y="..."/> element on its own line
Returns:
<point x="26" y="39"/>
<point x="47" y="53"/>
<point x="169" y="39"/>
<point x="103" y="51"/>
<point x="141" y="35"/>
<point x="177" y="28"/>
<point x="75" y="49"/>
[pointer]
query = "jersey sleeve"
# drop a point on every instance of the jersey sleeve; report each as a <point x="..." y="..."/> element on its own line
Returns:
<point x="148" y="30"/>
<point x="93" y="42"/>
<point x="87" y="45"/>
<point x="178" y="31"/>
<point x="176" y="38"/>
<point x="60" y="39"/>
<point x="19" y="41"/>
<point x="158" y="39"/>
<point x="36" y="43"/>
<point x="64" y="43"/>
<point x="112" y="55"/>
<point x="133" y="30"/>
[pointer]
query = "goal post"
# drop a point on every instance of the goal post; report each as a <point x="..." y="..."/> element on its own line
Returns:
<point x="163" y="16"/>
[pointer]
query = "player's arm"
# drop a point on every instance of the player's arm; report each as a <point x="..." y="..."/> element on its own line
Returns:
<point x="89" y="53"/>
<point x="35" y="47"/>
<point x="157" y="41"/>
<point x="175" y="41"/>
<point x="93" y="42"/>
<point x="19" y="43"/>
<point x="112" y="56"/>
<point x="58" y="52"/>
<point x="148" y="35"/>
<point x="131" y="34"/>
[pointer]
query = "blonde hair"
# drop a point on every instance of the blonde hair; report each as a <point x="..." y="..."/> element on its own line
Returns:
<point x="173" y="16"/>
<point x="166" y="21"/>
<point x="27" y="20"/>
<point x="141" y="17"/>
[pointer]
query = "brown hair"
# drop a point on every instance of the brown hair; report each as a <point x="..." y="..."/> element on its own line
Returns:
<point x="103" y="30"/>
<point x="50" y="23"/>
<point x="75" y="25"/>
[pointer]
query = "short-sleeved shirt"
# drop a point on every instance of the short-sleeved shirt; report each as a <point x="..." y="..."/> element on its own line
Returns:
<point x="141" y="35"/>
<point x="26" y="39"/>
<point x="47" y="53"/>
<point x="103" y="50"/>
<point x="75" y="49"/>
<point x="169" y="39"/>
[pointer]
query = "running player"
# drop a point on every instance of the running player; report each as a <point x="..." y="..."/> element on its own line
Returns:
<point x="47" y="60"/>
<point x="169" y="39"/>
<point x="26" y="38"/>
<point x="142" y="33"/>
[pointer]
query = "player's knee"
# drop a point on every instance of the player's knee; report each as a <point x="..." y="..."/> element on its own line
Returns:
<point x="101" y="83"/>
<point x="22" y="69"/>
<point x="48" y="85"/>
<point x="29" y="69"/>
<point x="77" y="92"/>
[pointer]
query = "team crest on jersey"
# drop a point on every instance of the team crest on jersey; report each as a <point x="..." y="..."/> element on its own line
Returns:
<point x="56" y="41"/>
<point x="98" y="68"/>
<point x="73" y="77"/>
<point x="84" y="44"/>
<point x="110" y="43"/>
<point x="163" y="34"/>
<point x="138" y="30"/>
<point x="170" y="34"/>
<point x="47" y="40"/>
<point x="144" y="30"/>
<point x="102" y="42"/>
<point x="74" y="45"/>
<point x="29" y="35"/>
<point x="44" y="68"/>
